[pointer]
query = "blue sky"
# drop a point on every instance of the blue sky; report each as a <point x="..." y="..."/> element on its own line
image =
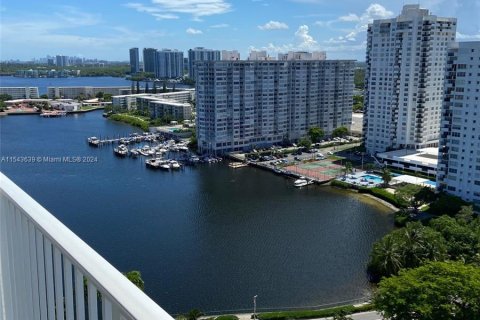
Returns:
<point x="106" y="29"/>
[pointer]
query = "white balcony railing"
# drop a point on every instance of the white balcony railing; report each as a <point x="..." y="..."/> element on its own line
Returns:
<point x="47" y="272"/>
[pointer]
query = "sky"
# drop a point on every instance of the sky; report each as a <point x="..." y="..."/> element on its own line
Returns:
<point x="106" y="29"/>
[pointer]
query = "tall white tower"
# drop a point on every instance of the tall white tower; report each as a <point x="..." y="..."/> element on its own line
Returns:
<point x="406" y="59"/>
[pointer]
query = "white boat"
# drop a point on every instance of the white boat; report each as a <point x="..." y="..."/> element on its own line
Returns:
<point x="301" y="182"/>
<point x="134" y="153"/>
<point x="121" y="150"/>
<point x="93" y="141"/>
<point x="154" y="163"/>
<point x="174" y="164"/>
<point x="165" y="166"/>
<point x="144" y="151"/>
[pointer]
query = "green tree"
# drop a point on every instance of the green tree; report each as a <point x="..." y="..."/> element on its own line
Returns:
<point x="342" y="315"/>
<point x="386" y="257"/>
<point x="194" y="314"/>
<point x="406" y="247"/>
<point x="5" y="97"/>
<point x="347" y="168"/>
<point x="316" y="134"/>
<point x="357" y="103"/>
<point x="447" y="204"/>
<point x="414" y="196"/>
<point x="305" y="142"/>
<point x="99" y="95"/>
<point x="340" y="132"/>
<point x="386" y="177"/>
<point x="136" y="278"/>
<point x="359" y="78"/>
<point x="461" y="238"/>
<point x="138" y="86"/>
<point x="43" y="96"/>
<point x="107" y="97"/>
<point x="435" y="291"/>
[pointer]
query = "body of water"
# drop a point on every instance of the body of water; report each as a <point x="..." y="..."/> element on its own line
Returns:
<point x="207" y="237"/>
<point x="44" y="83"/>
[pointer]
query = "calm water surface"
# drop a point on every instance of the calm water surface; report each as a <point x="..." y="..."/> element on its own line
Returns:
<point x="208" y="237"/>
<point x="44" y="83"/>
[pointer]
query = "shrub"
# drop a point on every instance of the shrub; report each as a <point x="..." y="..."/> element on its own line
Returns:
<point x="401" y="218"/>
<point x="227" y="317"/>
<point x="340" y="184"/>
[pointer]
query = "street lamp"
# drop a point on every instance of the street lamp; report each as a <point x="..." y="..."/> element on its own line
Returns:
<point x="255" y="306"/>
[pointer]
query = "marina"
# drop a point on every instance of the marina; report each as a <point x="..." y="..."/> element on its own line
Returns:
<point x="203" y="236"/>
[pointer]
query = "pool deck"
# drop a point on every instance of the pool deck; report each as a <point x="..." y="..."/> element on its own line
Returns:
<point x="358" y="180"/>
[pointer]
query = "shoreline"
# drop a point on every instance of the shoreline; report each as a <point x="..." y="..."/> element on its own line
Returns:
<point x="31" y="113"/>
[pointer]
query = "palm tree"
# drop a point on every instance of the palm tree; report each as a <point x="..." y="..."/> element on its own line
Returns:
<point x="348" y="167"/>
<point x="387" y="256"/>
<point x="194" y="314"/>
<point x="386" y="176"/>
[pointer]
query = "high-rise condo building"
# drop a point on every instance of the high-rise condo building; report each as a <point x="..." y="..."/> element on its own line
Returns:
<point x="149" y="56"/>
<point x="168" y="64"/>
<point x="246" y="104"/>
<point x="406" y="57"/>
<point x="134" y="61"/>
<point x="230" y="55"/>
<point x="303" y="55"/>
<point x="200" y="54"/>
<point x="61" y="61"/>
<point x="459" y="149"/>
<point x="259" y="55"/>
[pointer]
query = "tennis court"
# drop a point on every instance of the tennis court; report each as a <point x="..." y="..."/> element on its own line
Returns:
<point x="321" y="170"/>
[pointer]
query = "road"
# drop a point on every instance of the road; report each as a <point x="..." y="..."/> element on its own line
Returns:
<point x="370" y="315"/>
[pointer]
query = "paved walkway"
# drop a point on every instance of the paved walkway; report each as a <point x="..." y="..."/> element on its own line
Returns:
<point x="369" y="315"/>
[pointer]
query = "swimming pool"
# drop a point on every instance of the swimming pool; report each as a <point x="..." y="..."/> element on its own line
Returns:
<point x="372" y="178"/>
<point x="431" y="183"/>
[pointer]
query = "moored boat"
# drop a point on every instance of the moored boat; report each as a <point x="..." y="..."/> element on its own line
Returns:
<point x="121" y="150"/>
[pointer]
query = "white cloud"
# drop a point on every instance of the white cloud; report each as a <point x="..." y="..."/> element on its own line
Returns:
<point x="193" y="31"/>
<point x="220" y="25"/>
<point x="308" y="1"/>
<point x="305" y="40"/>
<point x="349" y="17"/>
<point x="374" y="11"/>
<point x="273" y="25"/>
<point x="169" y="9"/>
<point x="57" y="36"/>
<point x="165" y="16"/>
<point x="197" y="8"/>
<point x="461" y="36"/>
<point x="72" y="16"/>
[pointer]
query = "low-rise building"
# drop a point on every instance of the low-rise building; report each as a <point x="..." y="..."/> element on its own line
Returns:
<point x="86" y="91"/>
<point x="174" y="104"/>
<point x="423" y="161"/>
<point x="20" y="92"/>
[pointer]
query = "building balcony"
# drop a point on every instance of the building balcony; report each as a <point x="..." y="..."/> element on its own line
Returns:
<point x="47" y="272"/>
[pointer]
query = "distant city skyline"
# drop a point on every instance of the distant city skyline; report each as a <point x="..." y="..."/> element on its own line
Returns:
<point x="109" y="29"/>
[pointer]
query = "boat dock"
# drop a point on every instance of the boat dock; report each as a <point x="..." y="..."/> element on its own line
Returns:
<point x="133" y="138"/>
<point x="236" y="165"/>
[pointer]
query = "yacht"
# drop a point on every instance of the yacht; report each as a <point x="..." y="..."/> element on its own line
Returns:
<point x="174" y="164"/>
<point x="144" y="151"/>
<point x="301" y="182"/>
<point x="93" y="141"/>
<point x="154" y="163"/>
<point x="121" y="150"/>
